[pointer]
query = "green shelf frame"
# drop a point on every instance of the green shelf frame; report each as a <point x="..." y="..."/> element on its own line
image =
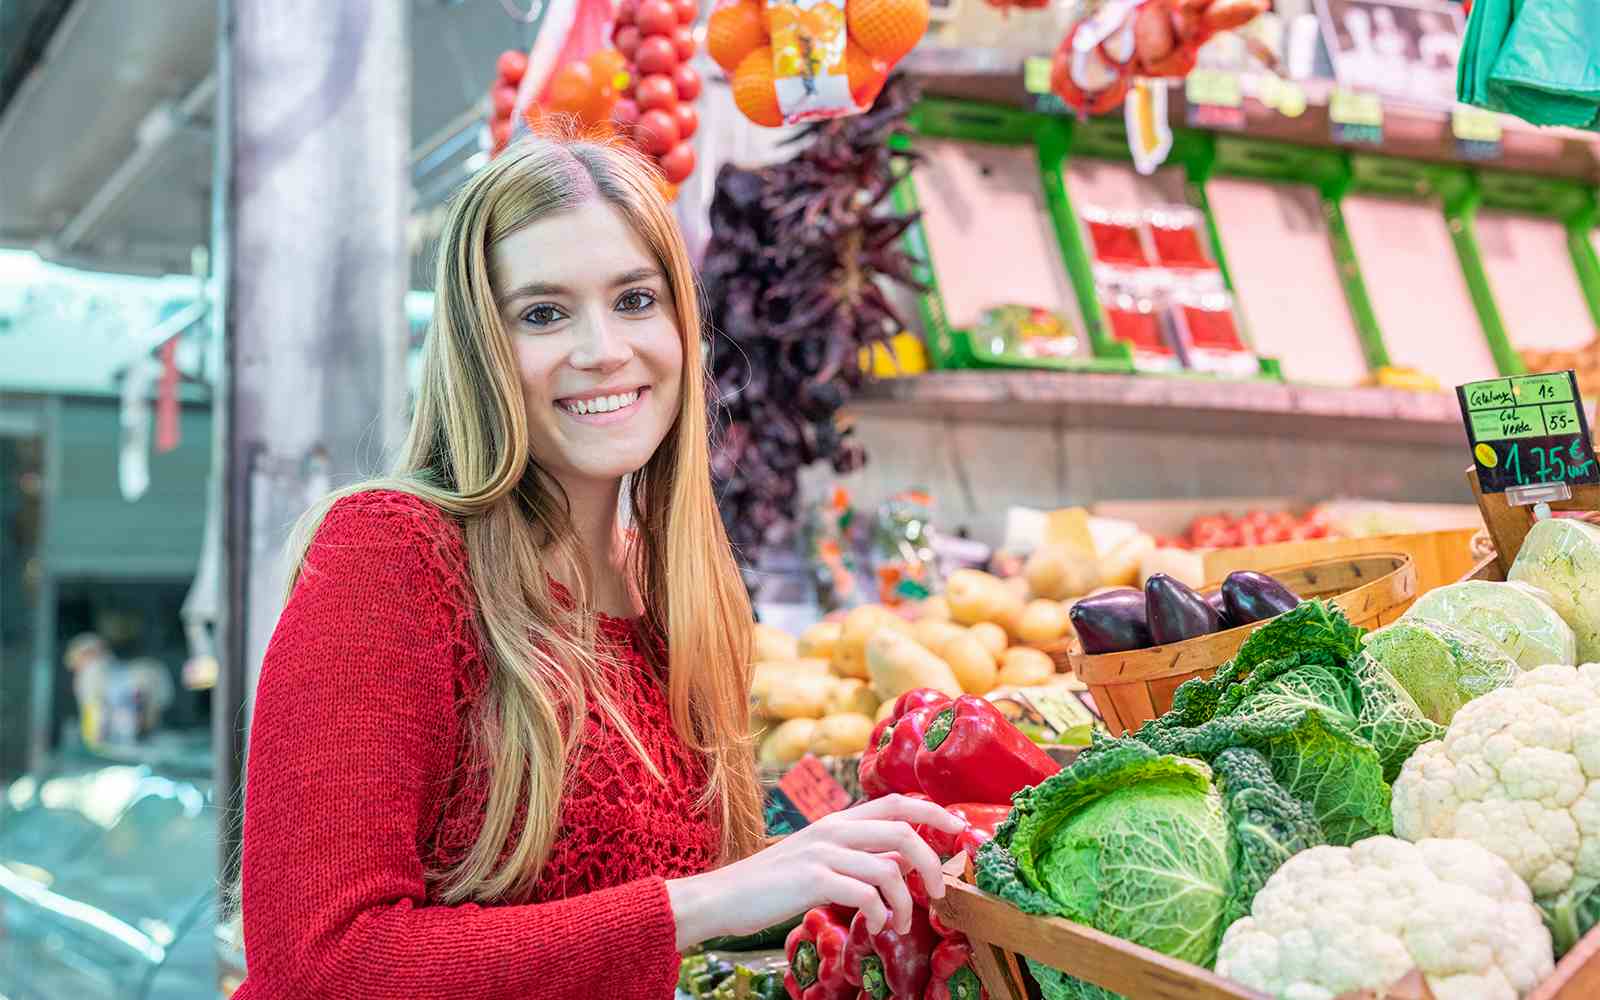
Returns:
<point x="1574" y="205"/>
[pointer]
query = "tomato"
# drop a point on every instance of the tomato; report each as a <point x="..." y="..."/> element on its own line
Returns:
<point x="657" y="132"/>
<point x="572" y="89"/>
<point x="503" y="100"/>
<point x="678" y="163"/>
<point x="687" y="81"/>
<point x="626" y="40"/>
<point x="656" y="17"/>
<point x="683" y="41"/>
<point x="656" y="54"/>
<point x="512" y="66"/>
<point x="500" y="132"/>
<point x="688" y="13"/>
<point x="656" y="92"/>
<point x="688" y="121"/>
<point x="627" y="10"/>
<point x="625" y="115"/>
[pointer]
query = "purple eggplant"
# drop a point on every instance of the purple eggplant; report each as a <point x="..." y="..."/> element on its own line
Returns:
<point x="1176" y="612"/>
<point x="1214" y="598"/>
<point x="1251" y="597"/>
<point x="1112" y="622"/>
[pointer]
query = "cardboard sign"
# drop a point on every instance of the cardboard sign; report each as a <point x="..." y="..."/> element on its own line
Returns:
<point x="1528" y="430"/>
<point x="804" y="795"/>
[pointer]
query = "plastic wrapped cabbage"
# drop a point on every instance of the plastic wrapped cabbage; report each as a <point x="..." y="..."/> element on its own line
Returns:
<point x="1561" y="556"/>
<point x="1441" y="666"/>
<point x="1518" y="617"/>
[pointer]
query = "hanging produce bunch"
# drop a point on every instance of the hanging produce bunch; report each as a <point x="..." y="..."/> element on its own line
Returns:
<point x="656" y="108"/>
<point x="795" y="273"/>
<point x="1102" y="53"/>
<point x="615" y="71"/>
<point x="804" y="60"/>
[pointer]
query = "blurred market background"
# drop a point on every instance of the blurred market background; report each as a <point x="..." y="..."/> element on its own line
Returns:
<point x="1241" y="327"/>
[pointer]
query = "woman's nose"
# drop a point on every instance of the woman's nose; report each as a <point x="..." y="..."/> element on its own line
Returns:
<point x="601" y="347"/>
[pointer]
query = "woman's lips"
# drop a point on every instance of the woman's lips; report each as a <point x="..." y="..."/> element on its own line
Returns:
<point x="611" y="416"/>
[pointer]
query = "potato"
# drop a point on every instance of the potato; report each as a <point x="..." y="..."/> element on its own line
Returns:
<point x="933" y="635"/>
<point x="993" y="637"/>
<point x="978" y="597"/>
<point x="884" y="711"/>
<point x="851" y="694"/>
<point x="788" y="743"/>
<point x="1120" y="566"/>
<point x="1057" y="572"/>
<point x="800" y="696"/>
<point x="773" y="644"/>
<point x="850" y="653"/>
<point x="898" y="663"/>
<point x="1043" y="622"/>
<point x="762" y="676"/>
<point x="971" y="662"/>
<point x="841" y="734"/>
<point x="1024" y="667"/>
<point x="934" y="609"/>
<point x="820" y="640"/>
<point x="1018" y="587"/>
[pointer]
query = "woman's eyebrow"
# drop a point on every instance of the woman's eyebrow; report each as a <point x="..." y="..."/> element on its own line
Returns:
<point x="531" y="290"/>
<point x="635" y="275"/>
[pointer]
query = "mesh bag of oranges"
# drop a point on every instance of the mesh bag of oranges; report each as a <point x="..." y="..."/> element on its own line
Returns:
<point x="793" y="61"/>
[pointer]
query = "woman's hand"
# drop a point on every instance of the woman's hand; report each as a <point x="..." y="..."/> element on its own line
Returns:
<point x="856" y="858"/>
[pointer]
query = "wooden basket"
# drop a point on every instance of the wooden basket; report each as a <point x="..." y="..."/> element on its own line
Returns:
<point x="1134" y="687"/>
<point x="1002" y="936"/>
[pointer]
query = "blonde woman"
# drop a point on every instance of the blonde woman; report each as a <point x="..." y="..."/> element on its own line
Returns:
<point x="499" y="745"/>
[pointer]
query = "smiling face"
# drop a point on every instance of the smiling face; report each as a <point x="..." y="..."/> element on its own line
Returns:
<point x="595" y="329"/>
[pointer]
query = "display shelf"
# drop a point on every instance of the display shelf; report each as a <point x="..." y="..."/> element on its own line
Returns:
<point x="996" y="76"/>
<point x="1177" y="405"/>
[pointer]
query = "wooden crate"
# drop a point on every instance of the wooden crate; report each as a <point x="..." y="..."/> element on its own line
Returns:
<point x="1508" y="526"/>
<point x="1441" y="557"/>
<point x="1002" y="936"/>
<point x="1134" y="687"/>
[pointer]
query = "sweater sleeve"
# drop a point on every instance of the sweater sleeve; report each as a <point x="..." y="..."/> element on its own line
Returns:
<point x="354" y="722"/>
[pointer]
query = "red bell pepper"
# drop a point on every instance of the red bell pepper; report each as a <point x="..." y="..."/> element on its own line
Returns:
<point x="891" y="762"/>
<point x="972" y="753"/>
<point x="818" y="953"/>
<point x="980" y="817"/>
<point x="876" y="782"/>
<point x="952" y="975"/>
<point x="891" y="964"/>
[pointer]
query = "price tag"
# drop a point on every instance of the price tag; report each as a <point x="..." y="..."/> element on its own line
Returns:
<point x="1036" y="75"/>
<point x="1528" y="430"/>
<point x="804" y="795"/>
<point x="1356" y="117"/>
<point x="1477" y="132"/>
<point x="1215" y="99"/>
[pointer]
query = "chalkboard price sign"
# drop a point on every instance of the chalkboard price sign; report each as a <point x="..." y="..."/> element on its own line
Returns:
<point x="1528" y="430"/>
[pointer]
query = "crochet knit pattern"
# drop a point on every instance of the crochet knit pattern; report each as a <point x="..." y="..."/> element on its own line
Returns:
<point x="362" y="776"/>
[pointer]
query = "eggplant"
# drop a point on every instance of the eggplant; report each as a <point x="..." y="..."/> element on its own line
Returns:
<point x="1112" y="622"/>
<point x="1176" y="612"/>
<point x="1214" y="598"/>
<point x="1251" y="597"/>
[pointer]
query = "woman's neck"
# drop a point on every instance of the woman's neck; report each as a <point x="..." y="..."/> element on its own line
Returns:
<point x="594" y="518"/>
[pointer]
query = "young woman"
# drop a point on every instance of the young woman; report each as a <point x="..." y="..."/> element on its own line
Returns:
<point x="499" y="747"/>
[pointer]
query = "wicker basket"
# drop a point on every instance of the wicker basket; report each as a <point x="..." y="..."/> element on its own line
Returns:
<point x="1134" y="687"/>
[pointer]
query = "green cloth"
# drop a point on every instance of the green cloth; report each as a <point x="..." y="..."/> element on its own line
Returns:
<point x="1536" y="59"/>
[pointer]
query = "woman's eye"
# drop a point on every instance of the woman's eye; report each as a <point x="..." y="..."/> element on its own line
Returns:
<point x="542" y="314"/>
<point x="637" y="300"/>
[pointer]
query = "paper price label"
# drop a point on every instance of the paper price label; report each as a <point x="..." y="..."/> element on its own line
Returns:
<point x="1528" y="430"/>
<point x="1213" y="87"/>
<point x="1347" y="107"/>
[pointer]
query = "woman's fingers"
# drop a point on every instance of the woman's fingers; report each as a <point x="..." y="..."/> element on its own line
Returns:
<point x="857" y="895"/>
<point x="909" y="810"/>
<point x="883" y="872"/>
<point x="884" y="836"/>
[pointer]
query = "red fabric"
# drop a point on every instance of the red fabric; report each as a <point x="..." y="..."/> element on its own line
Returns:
<point x="361" y="777"/>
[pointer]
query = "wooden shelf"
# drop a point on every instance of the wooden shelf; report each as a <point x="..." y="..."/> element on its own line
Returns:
<point x="995" y="76"/>
<point x="1175" y="405"/>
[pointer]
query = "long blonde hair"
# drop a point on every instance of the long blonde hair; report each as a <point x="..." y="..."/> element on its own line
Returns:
<point x="467" y="453"/>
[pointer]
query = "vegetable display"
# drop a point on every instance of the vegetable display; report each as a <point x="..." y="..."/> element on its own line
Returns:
<point x="972" y="753"/>
<point x="1561" y="556"/>
<point x="1160" y="850"/>
<point x="1519" y="618"/>
<point x="795" y="273"/>
<point x="1337" y="919"/>
<point x="1442" y="667"/>
<point x="1518" y="772"/>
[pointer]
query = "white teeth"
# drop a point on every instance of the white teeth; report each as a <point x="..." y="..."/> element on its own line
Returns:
<point x="602" y="404"/>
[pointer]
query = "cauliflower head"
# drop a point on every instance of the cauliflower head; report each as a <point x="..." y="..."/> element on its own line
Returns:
<point x="1335" y="919"/>
<point x="1518" y="772"/>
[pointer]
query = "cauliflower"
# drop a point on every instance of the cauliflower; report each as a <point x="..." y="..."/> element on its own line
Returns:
<point x="1335" y="919"/>
<point x="1518" y="772"/>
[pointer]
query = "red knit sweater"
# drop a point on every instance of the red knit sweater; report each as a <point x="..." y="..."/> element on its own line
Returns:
<point x="361" y="777"/>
